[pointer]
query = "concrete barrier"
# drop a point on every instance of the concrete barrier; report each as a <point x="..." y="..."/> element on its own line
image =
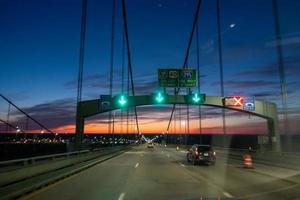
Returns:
<point x="290" y="160"/>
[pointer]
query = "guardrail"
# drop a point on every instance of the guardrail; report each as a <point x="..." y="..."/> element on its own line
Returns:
<point x="32" y="160"/>
<point x="16" y="183"/>
<point x="14" y="170"/>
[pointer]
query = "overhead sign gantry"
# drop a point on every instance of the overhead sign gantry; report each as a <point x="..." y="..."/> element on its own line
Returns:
<point x="263" y="109"/>
<point x="177" y="78"/>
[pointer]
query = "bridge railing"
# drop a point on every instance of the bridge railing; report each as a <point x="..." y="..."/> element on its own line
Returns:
<point x="31" y="160"/>
<point x="14" y="170"/>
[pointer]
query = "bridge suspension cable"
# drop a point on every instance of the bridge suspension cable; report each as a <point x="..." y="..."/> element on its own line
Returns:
<point x="198" y="69"/>
<point x="220" y="54"/>
<point x="81" y="50"/>
<point x="281" y="68"/>
<point x="27" y="115"/>
<point x="111" y="74"/>
<point x="122" y="75"/>
<point x="12" y="126"/>
<point x="176" y="91"/>
<point x="129" y="58"/>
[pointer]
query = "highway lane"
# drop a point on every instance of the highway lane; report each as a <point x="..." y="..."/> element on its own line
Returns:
<point x="262" y="182"/>
<point x="163" y="173"/>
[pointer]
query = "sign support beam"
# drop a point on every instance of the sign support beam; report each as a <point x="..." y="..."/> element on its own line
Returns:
<point x="263" y="109"/>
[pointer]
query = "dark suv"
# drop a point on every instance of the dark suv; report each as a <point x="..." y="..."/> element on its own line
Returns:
<point x="201" y="153"/>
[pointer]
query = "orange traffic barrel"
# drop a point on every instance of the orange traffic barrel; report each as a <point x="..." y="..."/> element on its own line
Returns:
<point x="248" y="161"/>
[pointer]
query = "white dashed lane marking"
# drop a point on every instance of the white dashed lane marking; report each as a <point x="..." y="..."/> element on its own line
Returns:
<point x="182" y="165"/>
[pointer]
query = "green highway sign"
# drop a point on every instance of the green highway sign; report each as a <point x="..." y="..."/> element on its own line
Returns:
<point x="186" y="78"/>
<point x="168" y="77"/>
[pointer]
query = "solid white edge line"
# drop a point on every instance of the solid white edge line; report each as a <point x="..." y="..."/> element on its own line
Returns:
<point x="227" y="194"/>
<point x="122" y="195"/>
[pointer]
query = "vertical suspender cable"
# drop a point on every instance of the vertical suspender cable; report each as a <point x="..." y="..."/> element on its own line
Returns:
<point x="221" y="64"/>
<point x="180" y="124"/>
<point x="81" y="61"/>
<point x="283" y="85"/>
<point x="198" y="69"/>
<point x="186" y="54"/>
<point x="129" y="58"/>
<point x="188" y="122"/>
<point x="27" y="126"/>
<point x="122" y="75"/>
<point x="79" y="137"/>
<point x="127" y="110"/>
<point x="111" y="74"/>
<point x="128" y="93"/>
<point x="7" y="117"/>
<point x="81" y="49"/>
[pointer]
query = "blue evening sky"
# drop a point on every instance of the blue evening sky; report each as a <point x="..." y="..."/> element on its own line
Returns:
<point x="39" y="47"/>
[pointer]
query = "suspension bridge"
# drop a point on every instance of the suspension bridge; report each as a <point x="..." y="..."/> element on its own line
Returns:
<point x="118" y="164"/>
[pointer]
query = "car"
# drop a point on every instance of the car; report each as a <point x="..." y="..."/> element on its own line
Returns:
<point x="150" y="145"/>
<point x="201" y="154"/>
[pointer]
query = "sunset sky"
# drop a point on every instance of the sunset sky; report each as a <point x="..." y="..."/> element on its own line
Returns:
<point x="39" y="52"/>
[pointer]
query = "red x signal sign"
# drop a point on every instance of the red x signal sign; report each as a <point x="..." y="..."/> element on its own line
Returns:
<point x="236" y="101"/>
<point x="239" y="101"/>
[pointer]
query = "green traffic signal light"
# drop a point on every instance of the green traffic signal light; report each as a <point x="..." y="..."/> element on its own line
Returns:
<point x="197" y="98"/>
<point x="159" y="97"/>
<point x="122" y="100"/>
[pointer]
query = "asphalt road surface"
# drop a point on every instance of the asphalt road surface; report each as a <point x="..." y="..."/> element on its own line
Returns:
<point x="163" y="173"/>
